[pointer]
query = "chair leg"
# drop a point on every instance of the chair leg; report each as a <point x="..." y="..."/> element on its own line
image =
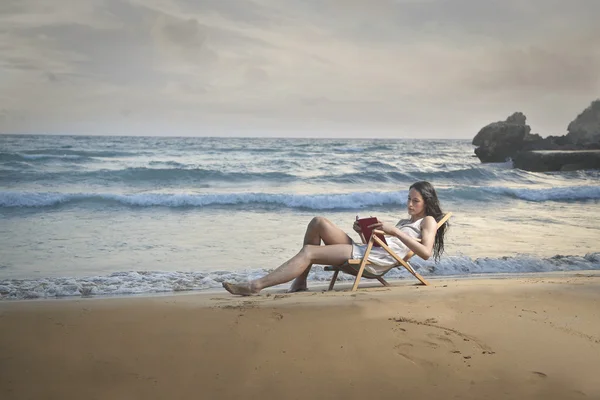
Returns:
<point x="333" y="279"/>
<point x="410" y="269"/>
<point x="420" y="278"/>
<point x="383" y="281"/>
<point x="363" y="263"/>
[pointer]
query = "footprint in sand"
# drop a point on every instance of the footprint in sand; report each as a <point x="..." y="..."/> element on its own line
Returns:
<point x="426" y="339"/>
<point x="442" y="338"/>
<point x="433" y="345"/>
<point x="417" y="361"/>
<point x="241" y="306"/>
<point x="277" y="316"/>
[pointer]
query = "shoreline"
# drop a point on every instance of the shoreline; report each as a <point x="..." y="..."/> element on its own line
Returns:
<point x="533" y="336"/>
<point x="320" y="286"/>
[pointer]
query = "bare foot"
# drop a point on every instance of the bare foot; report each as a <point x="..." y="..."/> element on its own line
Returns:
<point x="298" y="287"/>
<point x="242" y="290"/>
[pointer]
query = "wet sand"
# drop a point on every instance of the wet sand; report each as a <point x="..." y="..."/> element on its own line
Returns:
<point x="533" y="336"/>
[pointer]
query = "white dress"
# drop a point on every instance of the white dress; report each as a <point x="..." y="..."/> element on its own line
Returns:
<point x="381" y="260"/>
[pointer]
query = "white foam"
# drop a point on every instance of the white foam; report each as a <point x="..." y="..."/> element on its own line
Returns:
<point x="549" y="194"/>
<point x="144" y="282"/>
<point x="349" y="149"/>
<point x="352" y="200"/>
<point x="318" y="201"/>
<point x="47" y="156"/>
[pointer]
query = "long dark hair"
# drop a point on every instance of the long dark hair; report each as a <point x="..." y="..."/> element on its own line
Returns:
<point x="432" y="207"/>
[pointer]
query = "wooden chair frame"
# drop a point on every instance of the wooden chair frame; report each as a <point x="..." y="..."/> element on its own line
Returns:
<point x="365" y="261"/>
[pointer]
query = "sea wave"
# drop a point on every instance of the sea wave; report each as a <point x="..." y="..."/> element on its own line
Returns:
<point x="316" y="202"/>
<point x="336" y="201"/>
<point x="146" y="282"/>
<point x="167" y="164"/>
<point x="568" y="193"/>
<point x="42" y="157"/>
<point x="141" y="175"/>
<point x="361" y="149"/>
<point x="174" y="172"/>
<point x="82" y="153"/>
<point x="380" y="172"/>
<point x="244" y="149"/>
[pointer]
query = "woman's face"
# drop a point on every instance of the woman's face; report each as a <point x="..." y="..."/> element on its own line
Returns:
<point x="415" y="204"/>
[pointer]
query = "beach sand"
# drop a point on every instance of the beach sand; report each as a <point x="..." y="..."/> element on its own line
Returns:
<point x="533" y="336"/>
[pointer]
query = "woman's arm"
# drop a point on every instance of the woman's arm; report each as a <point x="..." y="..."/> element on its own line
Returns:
<point x="424" y="248"/>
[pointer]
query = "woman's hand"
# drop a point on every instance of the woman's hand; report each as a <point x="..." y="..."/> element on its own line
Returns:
<point x="387" y="228"/>
<point x="356" y="227"/>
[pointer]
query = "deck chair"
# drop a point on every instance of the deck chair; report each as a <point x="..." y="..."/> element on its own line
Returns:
<point x="365" y="261"/>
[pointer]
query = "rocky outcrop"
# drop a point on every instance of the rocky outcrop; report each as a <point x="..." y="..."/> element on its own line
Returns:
<point x="585" y="129"/>
<point x="511" y="139"/>
<point x="500" y="140"/>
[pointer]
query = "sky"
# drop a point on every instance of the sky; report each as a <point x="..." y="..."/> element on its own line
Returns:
<point x="310" y="68"/>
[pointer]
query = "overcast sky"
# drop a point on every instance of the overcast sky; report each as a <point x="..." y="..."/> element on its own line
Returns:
<point x="339" y="68"/>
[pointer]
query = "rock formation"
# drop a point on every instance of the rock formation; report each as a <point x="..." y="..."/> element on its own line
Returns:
<point x="557" y="160"/>
<point x="500" y="140"/>
<point x="511" y="139"/>
<point x="585" y="129"/>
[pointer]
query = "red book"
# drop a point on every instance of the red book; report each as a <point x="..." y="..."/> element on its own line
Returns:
<point x="367" y="232"/>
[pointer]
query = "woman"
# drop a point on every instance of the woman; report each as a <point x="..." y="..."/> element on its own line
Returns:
<point x="424" y="211"/>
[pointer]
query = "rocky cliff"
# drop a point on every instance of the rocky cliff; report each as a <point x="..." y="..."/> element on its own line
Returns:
<point x="500" y="140"/>
<point x="585" y="129"/>
<point x="511" y="139"/>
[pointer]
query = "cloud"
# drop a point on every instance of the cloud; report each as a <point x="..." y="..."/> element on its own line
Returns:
<point x="399" y="67"/>
<point x="542" y="69"/>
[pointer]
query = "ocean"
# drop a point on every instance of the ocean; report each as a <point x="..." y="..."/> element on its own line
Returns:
<point x="98" y="216"/>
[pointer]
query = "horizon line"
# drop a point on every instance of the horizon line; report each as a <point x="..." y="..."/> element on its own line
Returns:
<point x="232" y="137"/>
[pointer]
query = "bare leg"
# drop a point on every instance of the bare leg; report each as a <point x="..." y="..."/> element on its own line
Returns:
<point x="319" y="229"/>
<point x="334" y="254"/>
